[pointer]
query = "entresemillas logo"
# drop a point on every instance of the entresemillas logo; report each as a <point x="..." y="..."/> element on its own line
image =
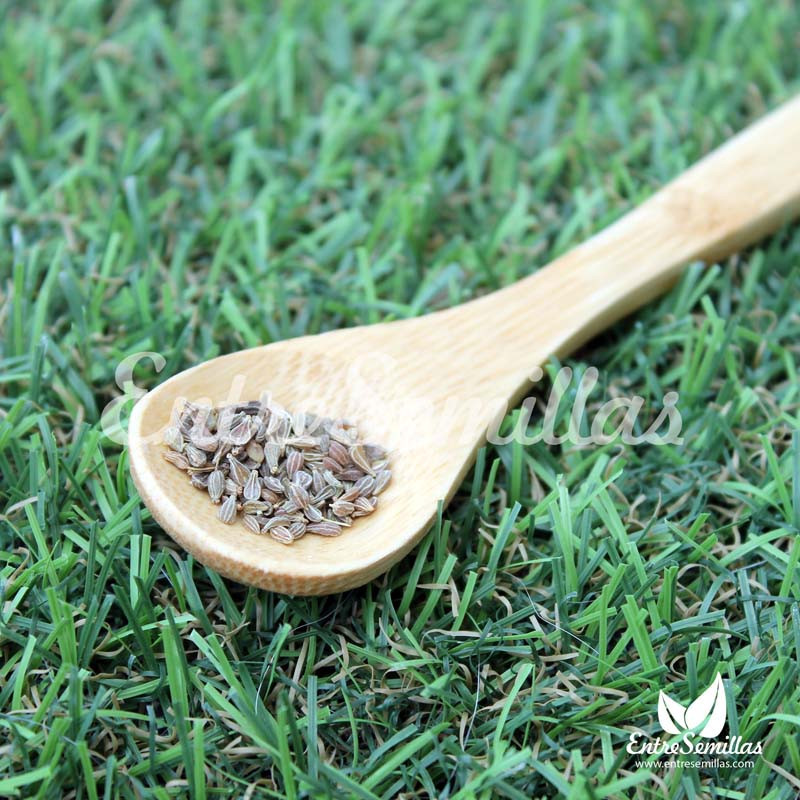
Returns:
<point x="698" y="725"/>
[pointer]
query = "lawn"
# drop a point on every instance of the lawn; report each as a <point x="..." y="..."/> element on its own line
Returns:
<point x="192" y="178"/>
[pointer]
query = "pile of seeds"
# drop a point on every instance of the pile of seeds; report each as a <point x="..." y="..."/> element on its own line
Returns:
<point x="286" y="474"/>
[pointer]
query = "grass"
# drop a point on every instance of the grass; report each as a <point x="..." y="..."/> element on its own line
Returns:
<point x="193" y="178"/>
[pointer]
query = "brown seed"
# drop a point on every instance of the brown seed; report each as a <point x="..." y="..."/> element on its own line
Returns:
<point x="227" y="511"/>
<point x="303" y="442"/>
<point x="274" y="423"/>
<point x="351" y="474"/>
<point x="359" y="457"/>
<point x="216" y="485"/>
<point x="274" y="485"/>
<point x="374" y="451"/>
<point x="252" y="489"/>
<point x="255" y="452"/>
<point x="317" y="481"/>
<point x="338" y="434"/>
<point x="178" y="459"/>
<point x="299" y="496"/>
<point x="269" y="496"/>
<point x="331" y="479"/>
<point x="382" y="478"/>
<point x="173" y="438"/>
<point x="239" y="471"/>
<point x="363" y="506"/>
<point x="302" y="478"/>
<point x="331" y="465"/>
<point x="326" y="494"/>
<point x="205" y="442"/>
<point x="297" y="529"/>
<point x="256" y="507"/>
<point x="199" y="480"/>
<point x="339" y="453"/>
<point x="281" y="519"/>
<point x="294" y="463"/>
<point x="240" y="433"/>
<point x="195" y="456"/>
<point x="313" y="514"/>
<point x="281" y="534"/>
<point x="231" y="487"/>
<point x="251" y="523"/>
<point x="364" y="485"/>
<point x="324" y="529"/>
<point x="341" y="508"/>
<point x="272" y="452"/>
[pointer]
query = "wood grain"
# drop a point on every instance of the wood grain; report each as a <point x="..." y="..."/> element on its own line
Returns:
<point x="427" y="388"/>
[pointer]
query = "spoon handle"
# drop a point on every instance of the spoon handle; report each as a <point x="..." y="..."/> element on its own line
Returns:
<point x="746" y="188"/>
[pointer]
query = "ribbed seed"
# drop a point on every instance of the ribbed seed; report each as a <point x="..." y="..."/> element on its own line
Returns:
<point x="178" y="459"/>
<point x="251" y="523"/>
<point x="299" y="496"/>
<point x="252" y="488"/>
<point x="227" y="511"/>
<point x="359" y="458"/>
<point x="216" y="485"/>
<point x="238" y="471"/>
<point x="313" y="514"/>
<point x="324" y="529"/>
<point x="281" y="534"/>
<point x="173" y="438"/>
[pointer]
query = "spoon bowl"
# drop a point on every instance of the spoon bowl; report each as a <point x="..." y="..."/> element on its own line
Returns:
<point x="427" y="388"/>
<point x="320" y="374"/>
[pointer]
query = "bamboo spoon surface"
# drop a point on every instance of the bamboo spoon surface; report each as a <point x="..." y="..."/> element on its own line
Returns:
<point x="427" y="388"/>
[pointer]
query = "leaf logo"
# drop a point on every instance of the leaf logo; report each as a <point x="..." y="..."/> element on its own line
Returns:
<point x="708" y="710"/>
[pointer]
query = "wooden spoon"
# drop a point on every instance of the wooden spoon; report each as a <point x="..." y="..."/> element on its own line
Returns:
<point x="426" y="388"/>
